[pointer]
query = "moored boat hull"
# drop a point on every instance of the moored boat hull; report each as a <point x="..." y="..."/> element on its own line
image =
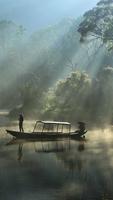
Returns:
<point x="43" y="135"/>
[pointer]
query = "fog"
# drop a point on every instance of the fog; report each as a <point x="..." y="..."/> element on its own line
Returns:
<point x="35" y="14"/>
<point x="56" y="63"/>
<point x="42" y="57"/>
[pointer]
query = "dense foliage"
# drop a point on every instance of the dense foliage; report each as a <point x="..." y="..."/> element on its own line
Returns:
<point x="31" y="64"/>
<point x="79" y="97"/>
<point x="43" y="74"/>
<point x="98" y="23"/>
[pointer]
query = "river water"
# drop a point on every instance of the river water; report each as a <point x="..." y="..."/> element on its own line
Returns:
<point x="64" y="170"/>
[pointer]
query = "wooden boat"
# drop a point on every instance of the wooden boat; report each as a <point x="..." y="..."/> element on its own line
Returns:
<point x="48" y="130"/>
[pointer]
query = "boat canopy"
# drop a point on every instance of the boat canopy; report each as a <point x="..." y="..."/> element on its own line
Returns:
<point x="50" y="126"/>
<point x="54" y="122"/>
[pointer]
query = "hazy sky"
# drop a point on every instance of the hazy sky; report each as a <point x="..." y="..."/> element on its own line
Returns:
<point x="34" y="14"/>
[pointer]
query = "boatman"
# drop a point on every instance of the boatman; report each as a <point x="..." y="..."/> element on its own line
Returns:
<point x="81" y="126"/>
<point x="21" y="119"/>
<point x="82" y="130"/>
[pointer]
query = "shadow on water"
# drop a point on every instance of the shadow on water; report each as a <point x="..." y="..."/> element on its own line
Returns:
<point x="58" y="146"/>
<point x="58" y="170"/>
<point x="20" y="152"/>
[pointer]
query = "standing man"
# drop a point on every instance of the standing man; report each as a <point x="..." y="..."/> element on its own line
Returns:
<point x="21" y="119"/>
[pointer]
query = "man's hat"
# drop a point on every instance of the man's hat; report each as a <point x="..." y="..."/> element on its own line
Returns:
<point x="81" y="123"/>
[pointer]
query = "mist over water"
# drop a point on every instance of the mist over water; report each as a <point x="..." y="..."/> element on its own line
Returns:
<point x="66" y="169"/>
<point x="52" y="67"/>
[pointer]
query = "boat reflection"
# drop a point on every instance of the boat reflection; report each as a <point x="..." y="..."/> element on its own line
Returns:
<point x="73" y="160"/>
<point x="20" y="152"/>
<point x="66" y="169"/>
<point x="63" y="146"/>
<point x="81" y="146"/>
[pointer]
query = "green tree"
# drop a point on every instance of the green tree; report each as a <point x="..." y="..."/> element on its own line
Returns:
<point x="98" y="23"/>
<point x="67" y="101"/>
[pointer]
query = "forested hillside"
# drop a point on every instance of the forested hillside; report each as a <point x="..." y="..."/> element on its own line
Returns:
<point x="60" y="72"/>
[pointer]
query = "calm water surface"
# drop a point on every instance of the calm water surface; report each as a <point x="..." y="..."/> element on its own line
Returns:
<point x="64" y="170"/>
